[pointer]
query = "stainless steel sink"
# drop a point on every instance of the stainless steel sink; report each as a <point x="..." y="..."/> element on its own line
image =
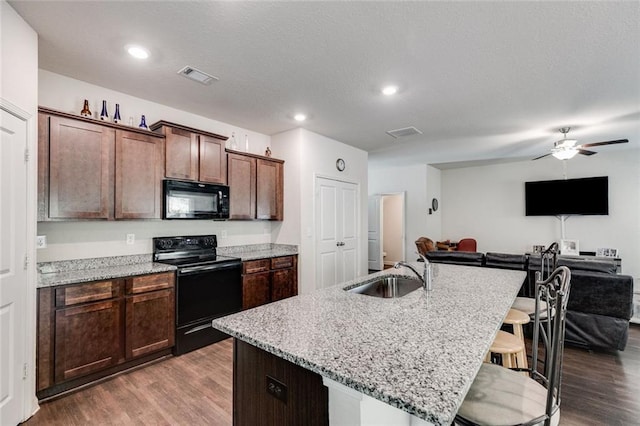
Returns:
<point x="388" y="287"/>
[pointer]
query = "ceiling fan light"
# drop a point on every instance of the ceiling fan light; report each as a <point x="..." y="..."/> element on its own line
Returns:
<point x="565" y="154"/>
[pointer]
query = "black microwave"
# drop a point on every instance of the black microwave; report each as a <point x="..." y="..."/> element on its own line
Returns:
<point x="194" y="200"/>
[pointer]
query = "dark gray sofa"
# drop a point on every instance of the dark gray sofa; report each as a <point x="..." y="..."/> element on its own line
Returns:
<point x="600" y="301"/>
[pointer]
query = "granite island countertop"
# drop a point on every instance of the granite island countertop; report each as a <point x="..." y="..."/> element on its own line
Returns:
<point x="419" y="353"/>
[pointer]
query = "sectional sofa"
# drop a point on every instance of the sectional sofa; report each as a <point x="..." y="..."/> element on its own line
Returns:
<point x="600" y="300"/>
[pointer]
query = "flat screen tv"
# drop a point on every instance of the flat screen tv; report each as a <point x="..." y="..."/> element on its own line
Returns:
<point x="584" y="196"/>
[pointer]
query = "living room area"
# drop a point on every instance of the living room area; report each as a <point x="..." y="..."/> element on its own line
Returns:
<point x="487" y="202"/>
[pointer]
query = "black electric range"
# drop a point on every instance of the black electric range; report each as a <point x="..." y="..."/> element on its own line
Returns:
<point x="208" y="286"/>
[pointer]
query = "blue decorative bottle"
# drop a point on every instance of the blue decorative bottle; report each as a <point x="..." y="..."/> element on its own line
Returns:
<point x="143" y="123"/>
<point x="116" y="115"/>
<point x="103" y="113"/>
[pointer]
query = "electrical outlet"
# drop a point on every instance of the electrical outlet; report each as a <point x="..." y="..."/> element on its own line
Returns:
<point x="277" y="389"/>
<point x="131" y="238"/>
<point x="223" y="234"/>
<point x="41" y="241"/>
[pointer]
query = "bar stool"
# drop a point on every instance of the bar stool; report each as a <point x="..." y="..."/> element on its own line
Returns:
<point x="511" y="347"/>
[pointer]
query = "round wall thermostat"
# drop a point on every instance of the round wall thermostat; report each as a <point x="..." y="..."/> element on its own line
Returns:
<point x="340" y="164"/>
<point x="434" y="204"/>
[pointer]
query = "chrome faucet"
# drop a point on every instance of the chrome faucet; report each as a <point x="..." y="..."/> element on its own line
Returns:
<point x="425" y="277"/>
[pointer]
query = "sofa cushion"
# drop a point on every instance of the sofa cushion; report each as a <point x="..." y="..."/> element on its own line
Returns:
<point x="596" y="265"/>
<point x="456" y="257"/>
<point x="596" y="331"/>
<point x="506" y="261"/>
<point x="601" y="294"/>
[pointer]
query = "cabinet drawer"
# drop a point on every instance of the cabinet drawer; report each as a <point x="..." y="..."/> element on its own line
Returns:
<point x="90" y="292"/>
<point x="282" y="262"/>
<point x="254" y="266"/>
<point x="150" y="282"/>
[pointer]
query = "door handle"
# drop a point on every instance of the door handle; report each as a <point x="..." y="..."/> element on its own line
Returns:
<point x="340" y="243"/>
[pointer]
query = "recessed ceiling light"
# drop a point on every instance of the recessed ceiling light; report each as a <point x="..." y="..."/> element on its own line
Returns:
<point x="300" y="117"/>
<point x="389" y="90"/>
<point x="137" y="52"/>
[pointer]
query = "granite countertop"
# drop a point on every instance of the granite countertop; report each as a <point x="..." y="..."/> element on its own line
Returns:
<point x="103" y="268"/>
<point x="419" y="353"/>
<point x="258" y="251"/>
<point x="52" y="274"/>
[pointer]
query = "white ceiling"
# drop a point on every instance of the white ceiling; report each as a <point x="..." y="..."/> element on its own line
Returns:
<point x="482" y="80"/>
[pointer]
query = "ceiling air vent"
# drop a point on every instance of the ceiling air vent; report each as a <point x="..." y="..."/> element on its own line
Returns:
<point x="197" y="75"/>
<point x="401" y="133"/>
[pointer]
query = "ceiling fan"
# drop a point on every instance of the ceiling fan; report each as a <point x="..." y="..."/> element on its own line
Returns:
<point x="565" y="148"/>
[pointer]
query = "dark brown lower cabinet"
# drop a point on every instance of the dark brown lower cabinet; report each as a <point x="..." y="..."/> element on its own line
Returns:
<point x="268" y="390"/>
<point x="91" y="330"/>
<point x="268" y="280"/>
<point x="86" y="339"/>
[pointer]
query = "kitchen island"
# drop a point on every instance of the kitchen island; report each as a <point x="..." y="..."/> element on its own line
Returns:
<point x="418" y="353"/>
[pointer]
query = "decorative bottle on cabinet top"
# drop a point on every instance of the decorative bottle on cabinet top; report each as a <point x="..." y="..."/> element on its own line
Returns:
<point x="233" y="144"/>
<point x="116" y="115"/>
<point x="143" y="123"/>
<point x="103" y="114"/>
<point x="85" y="109"/>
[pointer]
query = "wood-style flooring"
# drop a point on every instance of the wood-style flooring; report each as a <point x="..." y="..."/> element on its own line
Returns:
<point x="599" y="388"/>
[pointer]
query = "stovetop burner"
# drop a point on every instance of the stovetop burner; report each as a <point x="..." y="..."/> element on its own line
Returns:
<point x="188" y="250"/>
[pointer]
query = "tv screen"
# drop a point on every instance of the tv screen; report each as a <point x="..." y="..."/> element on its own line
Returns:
<point x="584" y="196"/>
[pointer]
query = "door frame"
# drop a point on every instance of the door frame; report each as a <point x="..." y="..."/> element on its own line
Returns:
<point x="403" y="215"/>
<point x="28" y="319"/>
<point x="359" y="237"/>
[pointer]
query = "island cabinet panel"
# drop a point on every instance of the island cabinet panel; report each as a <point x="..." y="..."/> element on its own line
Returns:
<point x="80" y="169"/>
<point x="193" y="154"/>
<point x="241" y="172"/>
<point x="87" y="331"/>
<point x="90" y="169"/>
<point x="139" y="173"/>
<point x="267" y="280"/>
<point x="268" y="390"/>
<point x="269" y="190"/>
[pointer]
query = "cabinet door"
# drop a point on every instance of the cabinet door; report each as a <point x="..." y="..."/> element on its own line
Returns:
<point x="80" y="169"/>
<point x="242" y="181"/>
<point x="255" y="290"/>
<point x="150" y="324"/>
<point x="139" y="172"/>
<point x="213" y="160"/>
<point x="283" y="284"/>
<point x="182" y="154"/>
<point x="269" y="190"/>
<point x="87" y="339"/>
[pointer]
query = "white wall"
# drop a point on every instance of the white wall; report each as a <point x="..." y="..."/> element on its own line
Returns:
<point x="487" y="203"/>
<point x="434" y="220"/>
<point x="72" y="240"/>
<point x="19" y="94"/>
<point x="412" y="180"/>
<point x="316" y="156"/>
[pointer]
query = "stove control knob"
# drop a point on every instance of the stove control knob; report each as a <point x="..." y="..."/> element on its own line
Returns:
<point x="165" y="244"/>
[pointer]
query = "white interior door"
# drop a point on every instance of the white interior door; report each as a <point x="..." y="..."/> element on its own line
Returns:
<point x="336" y="232"/>
<point x="13" y="273"/>
<point x="374" y="234"/>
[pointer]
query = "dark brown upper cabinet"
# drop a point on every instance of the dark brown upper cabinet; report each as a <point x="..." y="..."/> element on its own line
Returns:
<point x="257" y="186"/>
<point x="89" y="169"/>
<point x="193" y="154"/>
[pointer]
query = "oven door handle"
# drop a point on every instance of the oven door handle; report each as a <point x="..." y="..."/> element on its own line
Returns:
<point x="208" y="268"/>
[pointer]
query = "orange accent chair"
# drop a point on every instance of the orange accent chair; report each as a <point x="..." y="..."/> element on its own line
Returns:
<point x="467" y="244"/>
